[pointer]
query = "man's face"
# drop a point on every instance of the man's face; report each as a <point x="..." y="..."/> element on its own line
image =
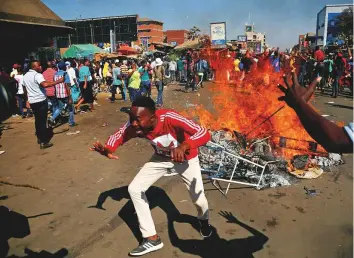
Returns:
<point x="142" y="120"/>
<point x="87" y="63"/>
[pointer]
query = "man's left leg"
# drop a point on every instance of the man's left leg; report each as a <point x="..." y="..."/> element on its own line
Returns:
<point x="192" y="178"/>
<point x="148" y="175"/>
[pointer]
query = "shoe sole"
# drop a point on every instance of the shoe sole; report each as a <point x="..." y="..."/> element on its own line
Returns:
<point x="152" y="249"/>
<point x="211" y="232"/>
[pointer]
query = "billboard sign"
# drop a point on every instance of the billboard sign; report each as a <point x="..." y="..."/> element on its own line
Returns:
<point x="218" y="34"/>
<point x="242" y="38"/>
<point x="333" y="30"/>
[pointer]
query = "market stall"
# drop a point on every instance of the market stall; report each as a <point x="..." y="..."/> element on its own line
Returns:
<point x="82" y="51"/>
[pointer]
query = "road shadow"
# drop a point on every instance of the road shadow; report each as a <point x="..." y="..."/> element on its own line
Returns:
<point x="16" y="225"/>
<point x="157" y="198"/>
<point x="215" y="246"/>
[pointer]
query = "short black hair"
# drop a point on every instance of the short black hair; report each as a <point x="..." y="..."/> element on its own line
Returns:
<point x="145" y="102"/>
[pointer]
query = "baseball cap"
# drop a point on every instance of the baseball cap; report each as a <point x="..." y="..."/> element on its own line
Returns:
<point x="61" y="65"/>
<point x="67" y="63"/>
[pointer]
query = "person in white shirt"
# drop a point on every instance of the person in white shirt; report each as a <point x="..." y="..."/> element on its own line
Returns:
<point x="173" y="67"/>
<point x="36" y="98"/>
<point x="20" y="93"/>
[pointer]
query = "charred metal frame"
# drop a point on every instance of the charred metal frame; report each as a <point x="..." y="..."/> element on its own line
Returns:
<point x="224" y="152"/>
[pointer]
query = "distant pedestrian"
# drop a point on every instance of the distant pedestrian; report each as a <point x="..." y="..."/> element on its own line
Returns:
<point x="62" y="92"/>
<point x="85" y="86"/>
<point x="134" y="82"/>
<point x="158" y="76"/>
<point x="117" y="83"/>
<point x="172" y="67"/>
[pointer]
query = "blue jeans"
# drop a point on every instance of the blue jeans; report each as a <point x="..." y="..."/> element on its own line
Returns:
<point x="133" y="93"/>
<point x="60" y="107"/>
<point x="20" y="98"/>
<point x="123" y="90"/>
<point x="159" y="87"/>
<point x="145" y="88"/>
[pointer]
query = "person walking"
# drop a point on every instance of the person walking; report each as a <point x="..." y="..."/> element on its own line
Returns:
<point x="338" y="70"/>
<point x="175" y="140"/>
<point x="158" y="76"/>
<point x="180" y="68"/>
<point x="62" y="92"/>
<point x="172" y="66"/>
<point x="48" y="75"/>
<point x="85" y="86"/>
<point x="35" y="85"/>
<point x="144" y="71"/>
<point x="20" y="95"/>
<point x="117" y="82"/>
<point x="134" y="82"/>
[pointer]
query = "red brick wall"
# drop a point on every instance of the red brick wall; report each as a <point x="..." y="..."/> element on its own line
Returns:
<point x="179" y="36"/>
<point x="155" y="33"/>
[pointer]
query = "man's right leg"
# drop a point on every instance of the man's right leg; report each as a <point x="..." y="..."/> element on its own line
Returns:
<point x="148" y="175"/>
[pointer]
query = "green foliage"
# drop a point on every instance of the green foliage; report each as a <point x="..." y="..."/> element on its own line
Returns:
<point x="344" y="22"/>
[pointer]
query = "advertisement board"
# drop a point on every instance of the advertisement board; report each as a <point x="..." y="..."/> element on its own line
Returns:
<point x="218" y="34"/>
<point x="242" y="38"/>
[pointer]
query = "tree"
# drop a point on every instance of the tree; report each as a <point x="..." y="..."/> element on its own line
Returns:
<point x="344" y="23"/>
<point x="193" y="33"/>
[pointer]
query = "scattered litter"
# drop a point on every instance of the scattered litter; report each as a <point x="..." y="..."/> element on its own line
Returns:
<point x="2" y="152"/>
<point x="73" y="133"/>
<point x="100" y="180"/>
<point x="104" y="124"/>
<point x="184" y="201"/>
<point x="331" y="102"/>
<point x="311" y="192"/>
<point x="325" y="115"/>
<point x="310" y="173"/>
<point x="190" y="105"/>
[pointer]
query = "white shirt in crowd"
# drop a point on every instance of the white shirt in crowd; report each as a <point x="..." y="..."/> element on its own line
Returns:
<point x="32" y="81"/>
<point x="72" y="76"/>
<point x="19" y="79"/>
<point x="172" y="66"/>
<point x="153" y="64"/>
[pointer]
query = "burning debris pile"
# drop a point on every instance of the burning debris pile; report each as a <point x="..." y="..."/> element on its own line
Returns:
<point x="229" y="156"/>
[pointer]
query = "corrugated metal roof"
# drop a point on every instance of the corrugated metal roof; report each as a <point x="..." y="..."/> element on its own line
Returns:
<point x="29" y="12"/>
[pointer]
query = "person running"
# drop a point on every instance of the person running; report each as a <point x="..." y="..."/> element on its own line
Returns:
<point x="176" y="140"/>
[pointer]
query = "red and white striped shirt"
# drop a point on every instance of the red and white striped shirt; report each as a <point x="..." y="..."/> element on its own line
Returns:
<point x="60" y="88"/>
<point x="171" y="130"/>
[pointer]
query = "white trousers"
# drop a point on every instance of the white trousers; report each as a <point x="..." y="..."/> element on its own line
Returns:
<point x="150" y="173"/>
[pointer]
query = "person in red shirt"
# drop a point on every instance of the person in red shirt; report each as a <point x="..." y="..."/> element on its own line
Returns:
<point x="176" y="140"/>
<point x="320" y="67"/>
<point x="48" y="75"/>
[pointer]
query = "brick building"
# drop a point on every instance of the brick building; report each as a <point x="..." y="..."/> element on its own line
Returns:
<point x="176" y="37"/>
<point x="149" y="31"/>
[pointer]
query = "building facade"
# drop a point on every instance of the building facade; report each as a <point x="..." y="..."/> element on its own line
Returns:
<point x="149" y="31"/>
<point x="97" y="30"/>
<point x="176" y="37"/>
<point x="326" y="29"/>
<point x="255" y="39"/>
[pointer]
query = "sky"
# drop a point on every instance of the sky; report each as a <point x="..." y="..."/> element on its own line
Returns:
<point x="282" y="20"/>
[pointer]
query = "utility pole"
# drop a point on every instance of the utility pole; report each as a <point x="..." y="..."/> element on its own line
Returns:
<point x="91" y="30"/>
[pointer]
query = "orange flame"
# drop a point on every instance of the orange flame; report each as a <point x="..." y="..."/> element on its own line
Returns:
<point x="247" y="103"/>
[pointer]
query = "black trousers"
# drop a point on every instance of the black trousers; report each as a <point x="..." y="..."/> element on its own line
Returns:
<point x="40" y="111"/>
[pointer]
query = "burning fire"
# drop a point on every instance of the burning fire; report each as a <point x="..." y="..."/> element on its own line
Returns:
<point x="245" y="104"/>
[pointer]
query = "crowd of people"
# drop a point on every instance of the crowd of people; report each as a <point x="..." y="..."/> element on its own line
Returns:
<point x="335" y="69"/>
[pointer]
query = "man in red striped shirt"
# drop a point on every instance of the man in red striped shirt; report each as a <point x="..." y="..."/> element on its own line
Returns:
<point x="175" y="140"/>
<point x="48" y="75"/>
